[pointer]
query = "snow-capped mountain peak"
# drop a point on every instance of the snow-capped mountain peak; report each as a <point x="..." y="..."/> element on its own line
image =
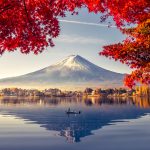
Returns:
<point x="72" y="62"/>
<point x="76" y="62"/>
<point x="74" y="71"/>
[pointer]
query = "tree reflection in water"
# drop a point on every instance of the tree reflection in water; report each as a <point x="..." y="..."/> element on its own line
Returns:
<point x="96" y="113"/>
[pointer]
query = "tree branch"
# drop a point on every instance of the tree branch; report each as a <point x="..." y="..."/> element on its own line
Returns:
<point x="26" y="11"/>
<point x="7" y="7"/>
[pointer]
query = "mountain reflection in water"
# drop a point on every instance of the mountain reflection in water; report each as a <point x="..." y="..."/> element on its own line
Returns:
<point x="50" y="114"/>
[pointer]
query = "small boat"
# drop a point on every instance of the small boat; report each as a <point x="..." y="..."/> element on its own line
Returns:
<point x="72" y="112"/>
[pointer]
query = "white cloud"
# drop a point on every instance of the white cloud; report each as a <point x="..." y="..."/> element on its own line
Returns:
<point x="88" y="23"/>
<point x="79" y="39"/>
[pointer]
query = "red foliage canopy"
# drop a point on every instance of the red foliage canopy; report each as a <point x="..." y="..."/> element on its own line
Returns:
<point x="135" y="52"/>
<point x="31" y="25"/>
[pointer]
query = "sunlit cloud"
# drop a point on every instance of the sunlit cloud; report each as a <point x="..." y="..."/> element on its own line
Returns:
<point x="87" y="23"/>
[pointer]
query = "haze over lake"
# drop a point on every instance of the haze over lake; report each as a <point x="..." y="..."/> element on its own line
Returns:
<point x="107" y="124"/>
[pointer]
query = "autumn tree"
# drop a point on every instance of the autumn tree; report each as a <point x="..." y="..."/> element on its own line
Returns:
<point x="31" y="26"/>
<point x="143" y="90"/>
<point x="135" y="50"/>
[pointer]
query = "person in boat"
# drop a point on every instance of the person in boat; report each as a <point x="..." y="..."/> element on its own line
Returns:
<point x="72" y="112"/>
<point x="69" y="109"/>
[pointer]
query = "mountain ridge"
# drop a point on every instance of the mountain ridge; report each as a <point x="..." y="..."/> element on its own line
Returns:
<point x="73" y="70"/>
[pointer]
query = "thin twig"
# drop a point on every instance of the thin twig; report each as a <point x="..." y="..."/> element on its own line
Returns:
<point x="26" y="11"/>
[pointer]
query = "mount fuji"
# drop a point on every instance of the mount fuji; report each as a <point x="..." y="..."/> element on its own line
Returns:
<point x="74" y="72"/>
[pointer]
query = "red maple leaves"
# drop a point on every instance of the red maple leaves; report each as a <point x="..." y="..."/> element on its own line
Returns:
<point x="134" y="51"/>
<point x="31" y="26"/>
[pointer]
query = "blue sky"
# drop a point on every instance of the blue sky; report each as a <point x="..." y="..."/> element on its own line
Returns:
<point x="85" y="39"/>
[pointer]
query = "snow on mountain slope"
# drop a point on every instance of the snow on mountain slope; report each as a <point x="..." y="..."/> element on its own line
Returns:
<point x="72" y="70"/>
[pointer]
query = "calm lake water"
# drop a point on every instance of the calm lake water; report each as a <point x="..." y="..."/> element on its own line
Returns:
<point x="104" y="124"/>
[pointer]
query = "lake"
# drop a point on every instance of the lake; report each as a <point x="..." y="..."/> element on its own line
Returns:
<point x="104" y="124"/>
